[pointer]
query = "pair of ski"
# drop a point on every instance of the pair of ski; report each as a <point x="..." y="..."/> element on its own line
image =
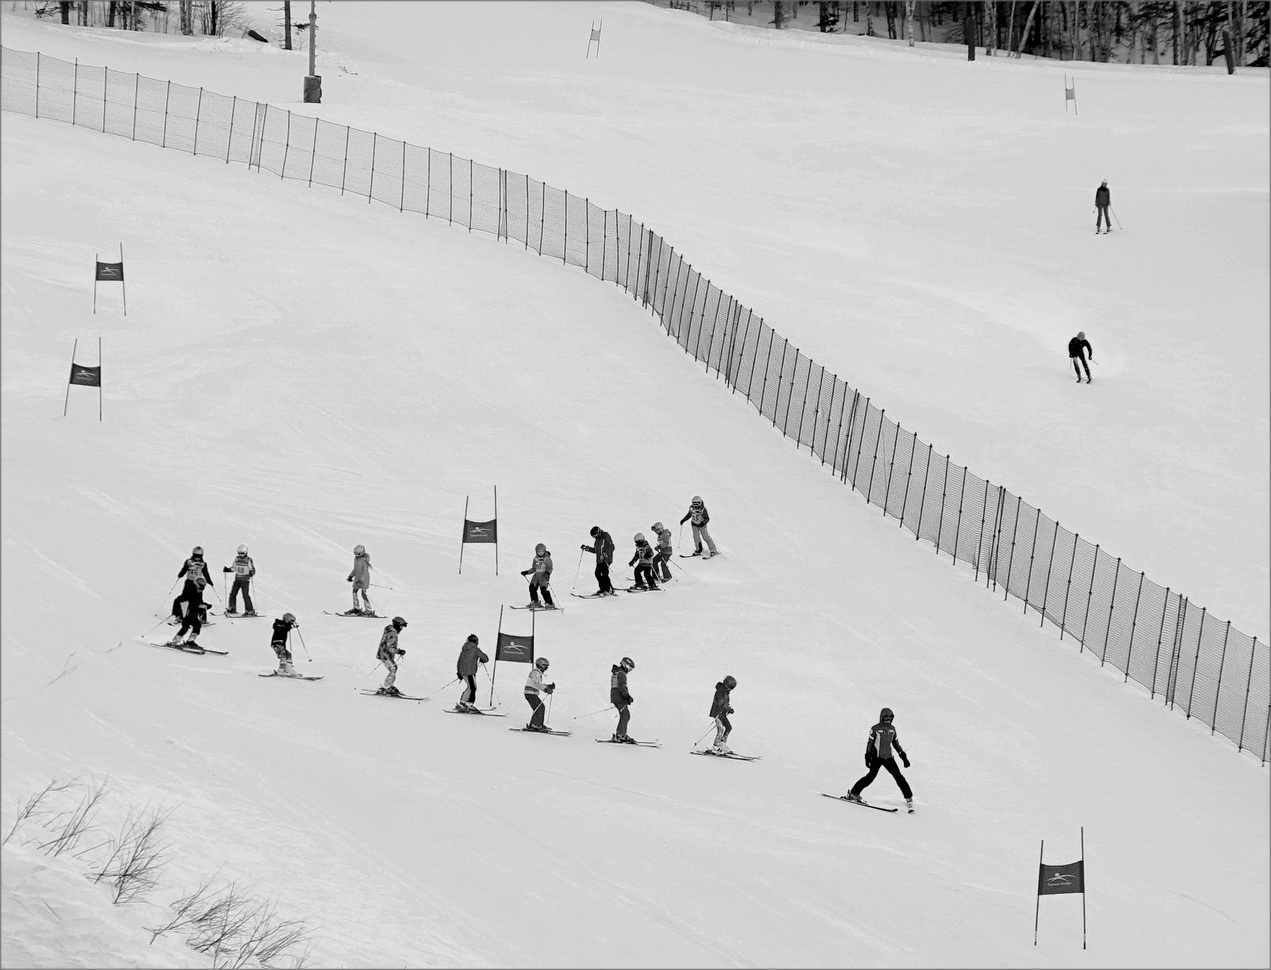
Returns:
<point x="730" y="755"/>
<point x="631" y="744"/>
<point x="369" y="616"/>
<point x="480" y="711"/>
<point x="186" y="648"/>
<point x="698" y="555"/>
<point x="396" y="697"/>
<point x="244" y="616"/>
<point x="850" y="801"/>
<point x="274" y="673"/>
<point x="539" y="609"/>
<point x="593" y="596"/>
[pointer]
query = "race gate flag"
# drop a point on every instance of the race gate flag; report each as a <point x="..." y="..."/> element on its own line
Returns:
<point x="1069" y="877"/>
<point x="595" y="38"/>
<point x="511" y="648"/>
<point x="110" y="273"/>
<point x="481" y="532"/>
<point x="85" y="376"/>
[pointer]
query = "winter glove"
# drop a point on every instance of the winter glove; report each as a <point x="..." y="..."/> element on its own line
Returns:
<point x="731" y="711"/>
<point x="550" y="688"/>
<point x="401" y="652"/>
<point x="526" y="572"/>
<point x="630" y="700"/>
<point x="905" y="760"/>
<point x="583" y="548"/>
<point x="869" y="762"/>
<point x="226" y="569"/>
<point x="458" y="676"/>
<point x="349" y="578"/>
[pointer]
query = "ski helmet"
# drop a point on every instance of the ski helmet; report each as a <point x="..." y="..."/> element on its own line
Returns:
<point x="657" y="526"/>
<point x="1081" y="335"/>
<point x="242" y="550"/>
<point x="359" y="550"/>
<point x="886" y="714"/>
<point x="399" y="622"/>
<point x="542" y="663"/>
<point x="697" y="500"/>
<point x="473" y="637"/>
<point x="289" y="617"/>
<point x="540" y="549"/>
<point x="639" y="537"/>
<point x="595" y="531"/>
<point x="197" y="551"/>
<point x="730" y="681"/>
<point x="626" y="663"/>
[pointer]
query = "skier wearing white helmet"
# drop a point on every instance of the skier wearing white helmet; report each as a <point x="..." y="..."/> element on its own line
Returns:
<point x="360" y="577"/>
<point x="534" y="691"/>
<point x="643" y="562"/>
<point x="698" y="514"/>
<point x="540" y="573"/>
<point x="243" y="569"/>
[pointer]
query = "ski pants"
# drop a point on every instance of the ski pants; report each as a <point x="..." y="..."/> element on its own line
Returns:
<point x="191" y="621"/>
<point x="390" y="664"/>
<point x="540" y="710"/>
<point x="602" y="577"/>
<point x="241" y="585"/>
<point x="702" y="534"/>
<point x="624" y="718"/>
<point x="366" y="600"/>
<point x="644" y="575"/>
<point x="547" y="593"/>
<point x="1102" y="218"/>
<point x="280" y="648"/>
<point x="723" y="728"/>
<point x="663" y="563"/>
<point x="469" y="695"/>
<point x="890" y="765"/>
<point x="1078" y="363"/>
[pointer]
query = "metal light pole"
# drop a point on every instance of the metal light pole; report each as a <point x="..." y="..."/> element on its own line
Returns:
<point x="313" y="83"/>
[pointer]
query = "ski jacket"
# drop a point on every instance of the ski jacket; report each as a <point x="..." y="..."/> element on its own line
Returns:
<point x="697" y="512"/>
<point x="882" y="739"/>
<point x="281" y="629"/>
<point x="470" y="655"/>
<point x="1103" y="195"/>
<point x="618" y="694"/>
<point x="664" y="543"/>
<point x="534" y="683"/>
<point x="388" y="644"/>
<point x="643" y="553"/>
<point x="243" y="567"/>
<point x="541" y="567"/>
<point x="722" y="704"/>
<point x="192" y="595"/>
<point x="1077" y="347"/>
<point x="361" y="573"/>
<point x="603" y="547"/>
<point x="195" y="570"/>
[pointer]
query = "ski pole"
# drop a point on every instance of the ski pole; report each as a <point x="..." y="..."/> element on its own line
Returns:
<point x="579" y="570"/>
<point x="302" y="642"/>
<point x="493" y="695"/>
<point x="549" y="709"/>
<point x="368" y="673"/>
<point x="168" y="601"/>
<point x="441" y="688"/>
<point x="593" y="713"/>
<point x="1115" y="216"/>
<point x="155" y="627"/>
<point x="707" y="731"/>
<point x="381" y="586"/>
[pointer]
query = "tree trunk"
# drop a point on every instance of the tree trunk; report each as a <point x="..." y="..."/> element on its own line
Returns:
<point x="990" y="28"/>
<point x="1023" y="37"/>
<point x="286" y="25"/>
<point x="909" y="21"/>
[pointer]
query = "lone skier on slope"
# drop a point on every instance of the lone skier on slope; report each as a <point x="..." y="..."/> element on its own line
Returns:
<point x="388" y="653"/>
<point x="697" y="512"/>
<point x="1102" y="203"/>
<point x="721" y="707"/>
<point x="360" y="577"/>
<point x="878" y="754"/>
<point x="620" y="698"/>
<point x="1078" y="347"/>
<point x="470" y="656"/>
<point x="603" y="549"/>
<point x="278" y="641"/>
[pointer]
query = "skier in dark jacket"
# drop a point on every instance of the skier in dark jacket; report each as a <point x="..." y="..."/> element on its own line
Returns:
<point x="620" y="698"/>
<point x="603" y="549"/>
<point x="878" y="754"/>
<point x="195" y="572"/>
<point x="470" y="657"/>
<point x="643" y="562"/>
<point x="278" y="641"/>
<point x="191" y="602"/>
<point x="1078" y="347"/>
<point x="721" y="707"/>
<point x="1102" y="202"/>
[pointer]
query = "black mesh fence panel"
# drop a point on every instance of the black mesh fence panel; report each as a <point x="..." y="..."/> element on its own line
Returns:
<point x="552" y="231"/>
<point x="1255" y="714"/>
<point x="90" y="98"/>
<point x="357" y="170"/>
<point x="576" y="230"/>
<point x="486" y="208"/>
<point x="594" y="241"/>
<point x="387" y="185"/>
<point x="1229" y="691"/>
<point x="151" y="108"/>
<point x="55" y="98"/>
<point x="18" y="87"/>
<point x="120" y="92"/>
<point x="1206" y="668"/>
<point x="1123" y="622"/>
<point x="933" y="487"/>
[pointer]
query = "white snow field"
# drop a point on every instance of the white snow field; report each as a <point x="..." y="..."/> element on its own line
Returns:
<point x="302" y="372"/>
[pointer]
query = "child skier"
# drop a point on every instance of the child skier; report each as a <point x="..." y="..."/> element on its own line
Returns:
<point x="360" y="577"/>
<point x="191" y="601"/>
<point x="621" y="699"/>
<point x="278" y="641"/>
<point x="243" y="569"/>
<point x="878" y="754"/>
<point x="663" y="559"/>
<point x="541" y="568"/>
<point x="721" y="707"/>
<point x="534" y="691"/>
<point x="603" y="549"/>
<point x="697" y="512"/>
<point x="388" y="653"/>
<point x="194" y="571"/>
<point x="470" y="656"/>
<point x="643" y="562"/>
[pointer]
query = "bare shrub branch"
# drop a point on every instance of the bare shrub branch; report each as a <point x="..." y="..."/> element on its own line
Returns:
<point x="137" y="855"/>
<point x="75" y="825"/>
<point x="33" y="807"/>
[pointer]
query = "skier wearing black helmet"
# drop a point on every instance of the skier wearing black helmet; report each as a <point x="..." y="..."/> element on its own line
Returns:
<point x="621" y="698"/>
<point x="388" y="653"/>
<point x="470" y="657"/>
<point x="603" y="548"/>
<point x="1078" y="347"/>
<point x="1102" y="203"/>
<point x="878" y="754"/>
<point x="643" y="562"/>
<point x="360" y="577"/>
<point x="721" y="707"/>
<point x="278" y="641"/>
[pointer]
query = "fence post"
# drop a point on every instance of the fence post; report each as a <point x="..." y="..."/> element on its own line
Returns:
<point x="1112" y="602"/>
<point x="1032" y="552"/>
<point x="1222" y="660"/>
<point x="1054" y="536"/>
<point x="401" y="199"/>
<point x="344" y="170"/>
<point x="286" y="148"/>
<point x="527" y="213"/>
<point x="1094" y="570"/>
<point x="785" y="422"/>
<point x="428" y="182"/>
<point x="979" y="543"/>
<point x="370" y="185"/>
<point x="313" y="156"/>
<point x="1063" y="620"/>
<point x="1200" y="639"/>
<point x="1240" y="745"/>
<point x="1138" y="597"/>
<point x="106" y="97"/>
<point x="136" y="96"/>
<point x="470" y="193"/>
<point x="851" y="429"/>
<point x="909" y="474"/>
<point x="957" y="529"/>
<point x="604" y="247"/>
<point x="450" y="188"/>
<point x="922" y="499"/>
<point x="750" y="379"/>
<point x="564" y="249"/>
<point x="1160" y="636"/>
<point x="542" y="214"/>
<point x="75" y="93"/>
<point x="166" y="98"/>
<point x="873" y="465"/>
<point x="995" y="551"/>
<point x="1176" y="649"/>
<point x="37" y="97"/>
<point x="198" y="113"/>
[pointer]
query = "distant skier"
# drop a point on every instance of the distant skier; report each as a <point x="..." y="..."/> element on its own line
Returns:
<point x="1102" y="203"/>
<point x="697" y="512"/>
<point x="663" y="559"/>
<point x="878" y="754"/>
<point x="388" y="653"/>
<point x="721" y="707"/>
<point x="540" y="573"/>
<point x="278" y="641"/>
<point x="620" y="698"/>
<point x="534" y="691"/>
<point x="243" y="569"/>
<point x="195" y="572"/>
<point x="360" y="577"/>
<point x="643" y="562"/>
<point x="470" y="656"/>
<point x="1078" y="347"/>
<point x="603" y="548"/>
